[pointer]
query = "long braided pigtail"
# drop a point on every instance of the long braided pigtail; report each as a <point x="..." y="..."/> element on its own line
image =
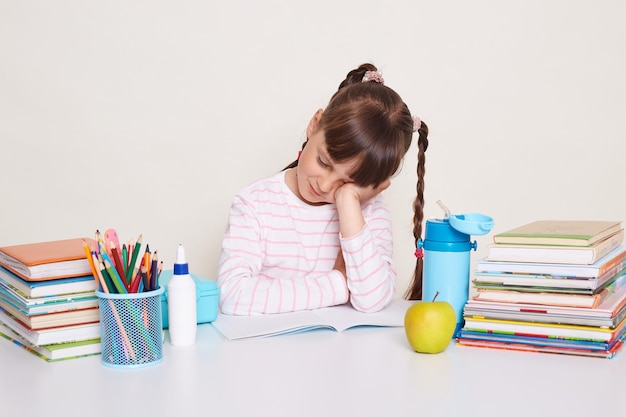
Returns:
<point x="414" y="291"/>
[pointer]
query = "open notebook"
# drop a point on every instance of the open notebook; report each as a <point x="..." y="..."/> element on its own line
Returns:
<point x="338" y="318"/>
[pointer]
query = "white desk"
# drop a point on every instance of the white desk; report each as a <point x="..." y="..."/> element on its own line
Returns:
<point x="361" y="372"/>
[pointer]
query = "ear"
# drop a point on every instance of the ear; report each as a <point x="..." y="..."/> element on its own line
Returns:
<point x="314" y="123"/>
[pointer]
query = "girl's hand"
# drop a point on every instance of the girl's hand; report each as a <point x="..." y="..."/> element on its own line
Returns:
<point x="348" y="199"/>
<point x="340" y="264"/>
<point x="354" y="192"/>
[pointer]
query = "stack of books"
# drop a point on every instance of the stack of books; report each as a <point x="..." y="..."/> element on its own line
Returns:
<point x="550" y="286"/>
<point x="48" y="304"/>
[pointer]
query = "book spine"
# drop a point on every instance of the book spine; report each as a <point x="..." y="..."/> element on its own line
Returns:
<point x="607" y="246"/>
<point x="545" y="298"/>
<point x="15" y="266"/>
<point x="616" y="264"/>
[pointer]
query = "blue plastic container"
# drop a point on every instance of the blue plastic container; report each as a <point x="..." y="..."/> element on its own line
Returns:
<point x="447" y="249"/>
<point x="207" y="298"/>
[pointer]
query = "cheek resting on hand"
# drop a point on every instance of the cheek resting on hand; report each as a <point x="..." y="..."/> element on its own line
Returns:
<point x="360" y="193"/>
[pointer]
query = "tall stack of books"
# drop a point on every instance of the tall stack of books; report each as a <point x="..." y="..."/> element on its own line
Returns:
<point x="48" y="304"/>
<point x="550" y="286"/>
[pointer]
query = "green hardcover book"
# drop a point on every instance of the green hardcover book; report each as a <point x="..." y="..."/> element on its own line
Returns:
<point x="560" y="232"/>
<point x="54" y="352"/>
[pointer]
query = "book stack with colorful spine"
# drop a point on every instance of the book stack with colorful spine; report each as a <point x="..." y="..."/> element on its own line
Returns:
<point x="550" y="286"/>
<point x="48" y="304"/>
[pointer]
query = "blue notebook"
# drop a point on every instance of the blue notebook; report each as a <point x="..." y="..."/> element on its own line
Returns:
<point x="34" y="289"/>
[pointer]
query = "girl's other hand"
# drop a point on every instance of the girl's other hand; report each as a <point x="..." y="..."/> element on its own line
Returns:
<point x="340" y="264"/>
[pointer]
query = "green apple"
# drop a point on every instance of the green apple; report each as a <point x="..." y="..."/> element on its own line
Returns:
<point x="429" y="326"/>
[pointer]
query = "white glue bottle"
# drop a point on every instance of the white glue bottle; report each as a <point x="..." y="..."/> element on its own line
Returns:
<point x="181" y="303"/>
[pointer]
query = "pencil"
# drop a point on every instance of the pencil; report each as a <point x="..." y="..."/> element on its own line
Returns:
<point x="144" y="277"/>
<point x="127" y="345"/>
<point x="98" y="272"/>
<point x="117" y="281"/>
<point x="134" y="285"/>
<point x="108" y="283"/>
<point x="101" y="245"/>
<point x="125" y="259"/>
<point x="146" y="262"/>
<point x="119" y="266"/>
<point x="153" y="271"/>
<point x="87" y="250"/>
<point x="131" y="267"/>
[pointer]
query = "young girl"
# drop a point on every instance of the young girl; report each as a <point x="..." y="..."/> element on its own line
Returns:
<point x="318" y="233"/>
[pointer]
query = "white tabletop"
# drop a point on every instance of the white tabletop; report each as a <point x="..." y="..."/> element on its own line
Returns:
<point x="361" y="372"/>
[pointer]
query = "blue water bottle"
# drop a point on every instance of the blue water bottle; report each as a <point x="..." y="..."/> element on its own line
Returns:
<point x="447" y="249"/>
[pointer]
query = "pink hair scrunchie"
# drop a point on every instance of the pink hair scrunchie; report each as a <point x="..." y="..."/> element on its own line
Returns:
<point x="373" y="76"/>
<point x="417" y="123"/>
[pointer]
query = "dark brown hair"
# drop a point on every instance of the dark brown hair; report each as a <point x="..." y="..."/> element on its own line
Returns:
<point x="414" y="291"/>
<point x="369" y="121"/>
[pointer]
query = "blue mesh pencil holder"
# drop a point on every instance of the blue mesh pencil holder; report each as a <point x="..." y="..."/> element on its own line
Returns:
<point x="131" y="327"/>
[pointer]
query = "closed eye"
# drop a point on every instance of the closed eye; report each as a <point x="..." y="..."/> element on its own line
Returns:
<point x="328" y="166"/>
<point x="322" y="163"/>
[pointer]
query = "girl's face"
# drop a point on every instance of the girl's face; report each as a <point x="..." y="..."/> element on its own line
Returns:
<point x="317" y="177"/>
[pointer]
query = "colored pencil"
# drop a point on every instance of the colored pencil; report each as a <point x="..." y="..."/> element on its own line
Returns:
<point x="134" y="285"/>
<point x="125" y="259"/>
<point x="119" y="266"/>
<point x="154" y="266"/>
<point x="98" y="273"/>
<point x="144" y="277"/>
<point x="117" y="281"/>
<point x="146" y="263"/>
<point x="131" y="267"/>
<point x="87" y="250"/>
<point x="108" y="282"/>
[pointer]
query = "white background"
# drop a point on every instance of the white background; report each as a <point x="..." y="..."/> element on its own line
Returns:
<point x="148" y="116"/>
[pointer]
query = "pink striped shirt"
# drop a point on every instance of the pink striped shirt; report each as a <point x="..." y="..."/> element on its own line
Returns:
<point x="278" y="254"/>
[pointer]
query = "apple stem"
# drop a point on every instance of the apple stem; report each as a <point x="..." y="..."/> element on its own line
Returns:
<point x="435" y="297"/>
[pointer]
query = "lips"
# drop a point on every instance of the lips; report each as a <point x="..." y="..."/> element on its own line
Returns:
<point x="314" y="191"/>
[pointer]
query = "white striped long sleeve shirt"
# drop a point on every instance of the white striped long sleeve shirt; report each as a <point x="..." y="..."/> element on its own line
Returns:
<point x="278" y="254"/>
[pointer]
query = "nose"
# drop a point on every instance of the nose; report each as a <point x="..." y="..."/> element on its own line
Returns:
<point x="328" y="183"/>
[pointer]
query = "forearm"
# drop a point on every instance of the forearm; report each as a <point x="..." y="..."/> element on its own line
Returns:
<point x="351" y="219"/>
<point x="371" y="276"/>
<point x="349" y="200"/>
<point x="370" y="273"/>
<point x="243" y="292"/>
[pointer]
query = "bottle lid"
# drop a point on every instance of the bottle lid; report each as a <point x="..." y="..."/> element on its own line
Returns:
<point x="181" y="267"/>
<point x="472" y="223"/>
<point x="440" y="230"/>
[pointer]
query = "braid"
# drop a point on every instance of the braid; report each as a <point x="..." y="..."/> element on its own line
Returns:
<point x="356" y="75"/>
<point x="414" y="291"/>
<point x="295" y="163"/>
